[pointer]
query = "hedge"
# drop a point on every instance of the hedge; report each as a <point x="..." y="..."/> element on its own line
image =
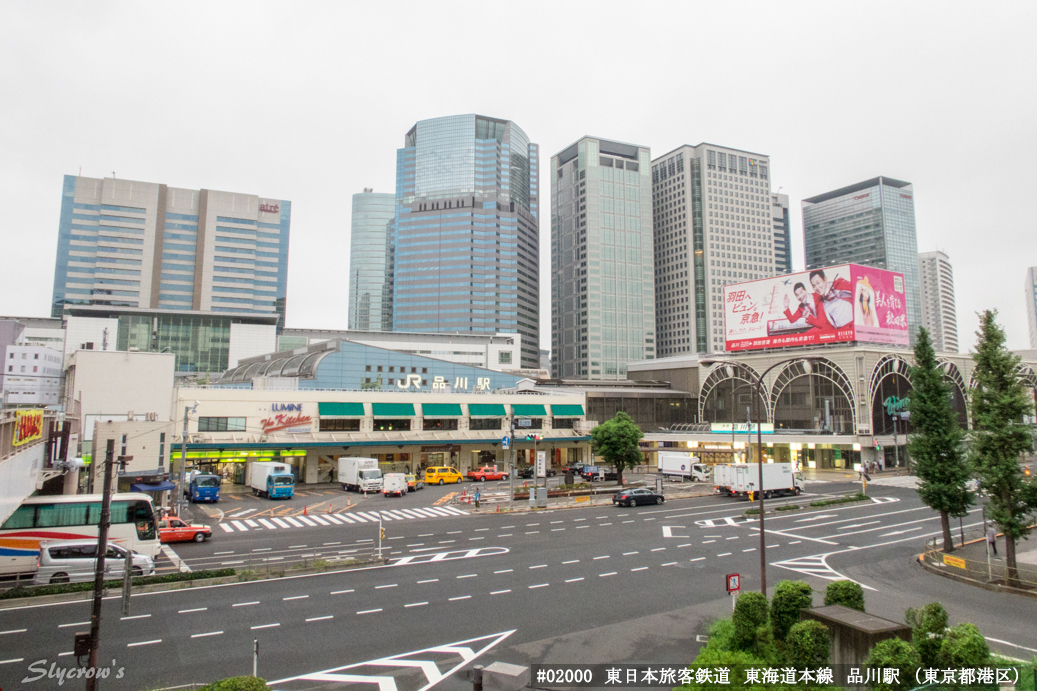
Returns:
<point x="860" y="496"/>
<point x="236" y="684"/>
<point x="34" y="591"/>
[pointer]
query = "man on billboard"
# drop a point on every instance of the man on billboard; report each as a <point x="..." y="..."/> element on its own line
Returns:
<point x="810" y="308"/>
<point x="836" y="296"/>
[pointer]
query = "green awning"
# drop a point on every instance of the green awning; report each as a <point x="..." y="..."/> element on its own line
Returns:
<point x="486" y="410"/>
<point x="441" y="409"/>
<point x="340" y="409"/>
<point x="567" y="410"/>
<point x="393" y="409"/>
<point x="529" y="410"/>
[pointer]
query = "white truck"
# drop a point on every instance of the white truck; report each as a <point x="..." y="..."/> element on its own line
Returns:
<point x="682" y="464"/>
<point x="359" y="474"/>
<point x="738" y="479"/>
<point x="394" y="484"/>
<point x="272" y="480"/>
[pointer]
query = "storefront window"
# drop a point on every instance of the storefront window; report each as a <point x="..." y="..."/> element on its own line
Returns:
<point x="333" y="425"/>
<point x="400" y="425"/>
<point x="432" y="424"/>
<point x="484" y="423"/>
<point x="564" y="423"/>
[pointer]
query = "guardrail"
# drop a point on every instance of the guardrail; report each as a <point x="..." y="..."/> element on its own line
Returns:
<point x="991" y="571"/>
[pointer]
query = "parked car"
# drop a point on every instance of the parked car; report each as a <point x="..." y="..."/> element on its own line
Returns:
<point x="599" y="472"/>
<point x="633" y="497"/>
<point x="485" y="473"/>
<point x="75" y="561"/>
<point x="414" y="483"/>
<point x="439" y="475"/>
<point x="527" y="471"/>
<point x="575" y="468"/>
<point x="173" y="529"/>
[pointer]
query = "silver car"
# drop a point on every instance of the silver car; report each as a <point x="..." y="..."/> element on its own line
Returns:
<point x="75" y="561"/>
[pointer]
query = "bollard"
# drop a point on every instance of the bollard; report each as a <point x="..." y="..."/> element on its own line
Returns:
<point x="477" y="678"/>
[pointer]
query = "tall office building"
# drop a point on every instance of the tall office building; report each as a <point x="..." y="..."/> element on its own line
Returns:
<point x="465" y="235"/>
<point x="937" y="291"/>
<point x="124" y="243"/>
<point x="370" y="261"/>
<point x="870" y="223"/>
<point x="602" y="295"/>
<point x="1031" y="304"/>
<point x="782" y="233"/>
<point x="713" y="226"/>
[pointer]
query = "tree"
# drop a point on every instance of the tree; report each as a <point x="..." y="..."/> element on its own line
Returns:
<point x="789" y="598"/>
<point x="964" y="646"/>
<point x="937" y="444"/>
<point x="894" y="653"/>
<point x="846" y="593"/>
<point x="928" y="627"/>
<point x="1000" y="437"/>
<point x="807" y="644"/>
<point x="617" y="442"/>
<point x="750" y="614"/>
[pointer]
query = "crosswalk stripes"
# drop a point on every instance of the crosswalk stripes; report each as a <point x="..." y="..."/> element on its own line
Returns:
<point x="332" y="519"/>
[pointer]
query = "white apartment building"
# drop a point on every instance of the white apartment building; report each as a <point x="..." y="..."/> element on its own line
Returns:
<point x="602" y="294"/>
<point x="939" y="316"/>
<point x="1031" y="304"/>
<point x="31" y="375"/>
<point x="713" y="226"/>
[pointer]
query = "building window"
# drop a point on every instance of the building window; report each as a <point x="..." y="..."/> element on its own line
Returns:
<point x="484" y="423"/>
<point x="564" y="423"/>
<point x="402" y="425"/>
<point x="161" y="449"/>
<point x="335" y="425"/>
<point x="433" y="424"/>
<point x="527" y="423"/>
<point x="504" y="357"/>
<point x="221" y="424"/>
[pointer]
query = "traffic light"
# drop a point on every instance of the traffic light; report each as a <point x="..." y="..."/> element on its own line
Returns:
<point x="381" y="533"/>
<point x="534" y="437"/>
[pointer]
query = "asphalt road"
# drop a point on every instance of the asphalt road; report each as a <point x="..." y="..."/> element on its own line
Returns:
<point x="598" y="584"/>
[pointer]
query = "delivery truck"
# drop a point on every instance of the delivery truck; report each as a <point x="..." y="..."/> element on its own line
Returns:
<point x="738" y="479"/>
<point x="271" y="480"/>
<point x="204" y="488"/>
<point x="359" y="474"/>
<point x="394" y="484"/>
<point x="682" y="464"/>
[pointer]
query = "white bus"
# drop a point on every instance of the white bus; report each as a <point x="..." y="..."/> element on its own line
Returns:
<point x="74" y="517"/>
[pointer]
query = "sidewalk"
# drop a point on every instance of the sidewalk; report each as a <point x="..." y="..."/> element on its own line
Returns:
<point x="969" y="562"/>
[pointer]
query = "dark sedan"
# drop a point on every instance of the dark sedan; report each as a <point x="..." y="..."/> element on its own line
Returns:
<point x="633" y="497"/>
<point x="526" y="471"/>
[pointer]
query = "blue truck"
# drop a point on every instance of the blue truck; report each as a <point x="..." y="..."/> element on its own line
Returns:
<point x="204" y="488"/>
<point x="271" y="480"/>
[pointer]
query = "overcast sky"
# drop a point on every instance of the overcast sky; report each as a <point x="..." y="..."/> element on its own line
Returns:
<point x="309" y="102"/>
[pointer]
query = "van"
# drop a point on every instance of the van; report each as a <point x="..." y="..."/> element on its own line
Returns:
<point x="440" y="475"/>
<point x="75" y="561"/>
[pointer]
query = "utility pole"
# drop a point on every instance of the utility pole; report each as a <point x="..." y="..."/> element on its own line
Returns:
<point x="511" y="465"/>
<point x="896" y="447"/>
<point x="183" y="460"/>
<point x="102" y="548"/>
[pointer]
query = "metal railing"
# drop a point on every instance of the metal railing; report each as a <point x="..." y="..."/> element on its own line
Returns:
<point x="992" y="571"/>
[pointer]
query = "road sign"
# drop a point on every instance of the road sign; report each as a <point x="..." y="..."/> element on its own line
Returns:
<point x="525" y="423"/>
<point x="541" y="464"/>
<point x="734" y="582"/>
<point x="505" y="442"/>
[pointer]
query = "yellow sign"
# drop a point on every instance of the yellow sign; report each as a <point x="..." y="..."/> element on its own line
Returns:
<point x="954" y="561"/>
<point x="581" y="500"/>
<point x="29" y="427"/>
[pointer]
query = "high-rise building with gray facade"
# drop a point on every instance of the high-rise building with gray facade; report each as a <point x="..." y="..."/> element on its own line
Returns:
<point x="602" y="291"/>
<point x="938" y="309"/>
<point x="782" y="233"/>
<point x="870" y="223"/>
<point x="713" y="226"/>
<point x="1031" y="304"/>
<point x="124" y="243"/>
<point x="370" y="261"/>
<point x="466" y="230"/>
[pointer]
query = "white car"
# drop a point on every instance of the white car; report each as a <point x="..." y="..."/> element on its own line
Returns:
<point x="75" y="561"/>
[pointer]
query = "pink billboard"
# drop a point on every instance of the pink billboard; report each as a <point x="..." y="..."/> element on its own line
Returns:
<point x="837" y="304"/>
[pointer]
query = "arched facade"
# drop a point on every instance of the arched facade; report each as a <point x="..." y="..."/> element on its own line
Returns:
<point x="890" y="395"/>
<point x="959" y="394"/>
<point x="821" y="400"/>
<point x="715" y="399"/>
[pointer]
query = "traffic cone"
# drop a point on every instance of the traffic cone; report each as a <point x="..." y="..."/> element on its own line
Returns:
<point x="305" y="510"/>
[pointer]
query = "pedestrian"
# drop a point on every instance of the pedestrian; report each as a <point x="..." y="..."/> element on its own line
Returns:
<point x="476" y="498"/>
<point x="992" y="539"/>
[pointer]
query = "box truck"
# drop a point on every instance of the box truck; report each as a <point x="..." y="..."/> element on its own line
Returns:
<point x="359" y="474"/>
<point x="738" y="479"/>
<point x="271" y="480"/>
<point x="394" y="484"/>
<point x="682" y="464"/>
<point x="204" y="488"/>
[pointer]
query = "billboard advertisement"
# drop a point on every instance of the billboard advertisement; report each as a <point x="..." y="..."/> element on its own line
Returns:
<point x="837" y="304"/>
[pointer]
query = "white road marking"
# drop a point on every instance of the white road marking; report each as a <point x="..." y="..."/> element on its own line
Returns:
<point x="326" y="616"/>
<point x="24" y="630"/>
<point x="603" y="575"/>
<point x="572" y="561"/>
<point x="134" y="645"/>
<point x="341" y="592"/>
<point x="504" y="571"/>
<point x="468" y="575"/>
<point x="670" y="563"/>
<point x="697" y="559"/>
<point x="265" y="626"/>
<point x="627" y="554"/>
<point x="369" y="611"/>
<point x="416" y="604"/>
<point x="499" y="592"/>
<point x="463" y="597"/>
<point x="292" y="521"/>
<point x="196" y="609"/>
<point x="136" y="616"/>
<point x="557" y="530"/>
<point x="216" y="554"/>
<point x="1014" y="645"/>
<point x="532" y="532"/>
<point x="901" y="532"/>
<point x="539" y="566"/>
<point x="725" y="554"/>
<point x="857" y="525"/>
<point x="267" y="524"/>
<point x="605" y="556"/>
<point x="333" y="519"/>
<point x="295" y="597"/>
<point x="203" y="635"/>
<point x="245" y="604"/>
<point x="751" y="549"/>
<point x="281" y="523"/>
<point x="391" y="585"/>
<point x="658" y="549"/>
<point x="574" y="580"/>
<point x="306" y="520"/>
<point x="540" y="585"/>
<point x="226" y="528"/>
<point x="251" y="523"/>
<point x="685" y="545"/>
<point x="816" y="518"/>
<point x="320" y="520"/>
<point x="12" y="661"/>
<point x="78" y="623"/>
<point x="706" y="542"/>
<point x="239" y="525"/>
<point x="641" y="568"/>
<point x="431" y="580"/>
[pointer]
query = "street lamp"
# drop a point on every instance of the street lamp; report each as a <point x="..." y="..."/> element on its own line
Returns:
<point x="758" y="385"/>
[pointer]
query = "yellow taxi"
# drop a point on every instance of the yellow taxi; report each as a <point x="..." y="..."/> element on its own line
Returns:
<point x="441" y="475"/>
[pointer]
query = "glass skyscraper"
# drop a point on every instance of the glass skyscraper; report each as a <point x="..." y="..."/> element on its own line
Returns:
<point x="602" y="270"/>
<point x="465" y="236"/>
<point x="124" y="243"/>
<point x="870" y="223"/>
<point x="370" y="261"/>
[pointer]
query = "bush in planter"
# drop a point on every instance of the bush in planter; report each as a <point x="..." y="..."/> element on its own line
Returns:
<point x="928" y="626"/>
<point x="749" y="615"/>
<point x="807" y="644"/>
<point x="898" y="654"/>
<point x="846" y="593"/>
<point x="963" y="646"/>
<point x="789" y="598"/>
<point x="237" y="684"/>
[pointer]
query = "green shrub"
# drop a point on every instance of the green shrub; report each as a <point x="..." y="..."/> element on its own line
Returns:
<point x="789" y="598"/>
<point x="928" y="627"/>
<point x="807" y="644"/>
<point x="846" y="593"/>
<point x="860" y="496"/>
<point x="749" y="615"/>
<point x="963" y="646"/>
<point x="721" y="635"/>
<point x="59" y="589"/>
<point x="898" y="654"/>
<point x="788" y="507"/>
<point x="237" y="684"/>
<point x="736" y="660"/>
